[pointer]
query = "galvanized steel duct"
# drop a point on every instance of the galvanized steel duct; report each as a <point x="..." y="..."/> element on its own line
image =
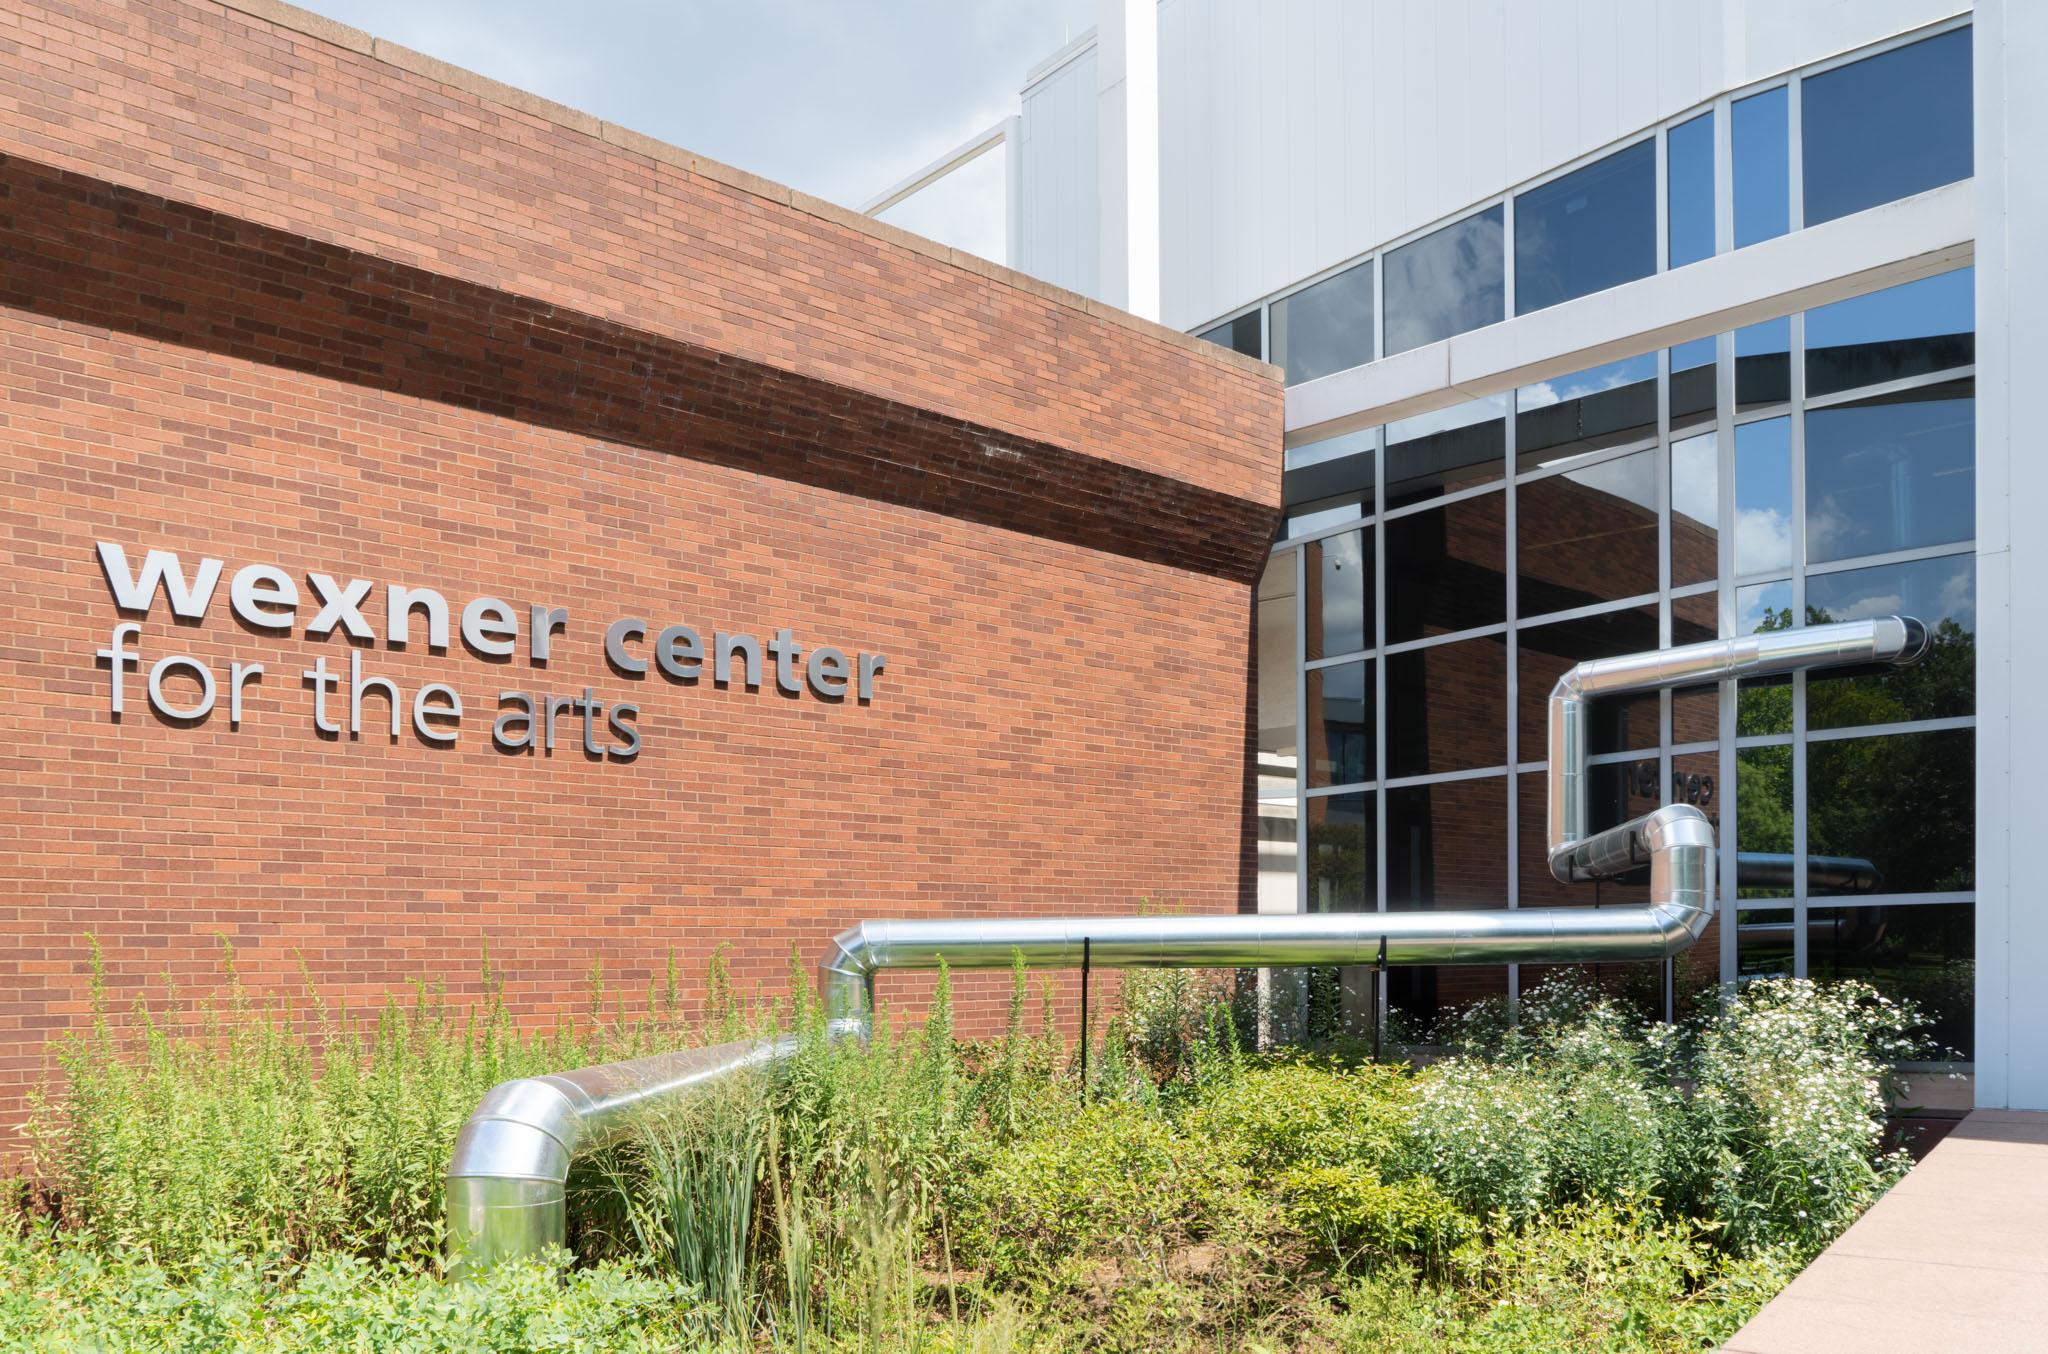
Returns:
<point x="511" y="1162"/>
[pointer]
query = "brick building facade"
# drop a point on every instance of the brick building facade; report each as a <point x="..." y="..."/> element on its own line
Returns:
<point x="278" y="294"/>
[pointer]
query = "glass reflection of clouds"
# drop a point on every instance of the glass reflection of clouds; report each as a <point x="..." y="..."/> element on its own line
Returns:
<point x="1890" y="474"/>
<point x="1932" y="590"/>
<point x="1588" y="230"/>
<point x="1696" y="479"/>
<point x="1632" y="478"/>
<point x="1762" y="605"/>
<point x="1763" y="496"/>
<point x="1763" y="167"/>
<point x="1447" y="282"/>
<point x="1592" y="381"/>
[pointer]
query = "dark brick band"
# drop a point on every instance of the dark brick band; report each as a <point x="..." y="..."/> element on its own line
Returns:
<point x="82" y="250"/>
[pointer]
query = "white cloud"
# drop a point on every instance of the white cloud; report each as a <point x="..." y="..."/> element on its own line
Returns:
<point x="1872" y="607"/>
<point x="836" y="99"/>
<point x="1959" y="596"/>
<point x="1632" y="477"/>
<point x="1443" y="420"/>
<point x="1828" y="531"/>
<point x="1696" y="479"/>
<point x="1763" y="540"/>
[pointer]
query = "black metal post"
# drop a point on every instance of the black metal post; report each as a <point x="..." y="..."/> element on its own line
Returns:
<point x="1085" y="957"/>
<point x="1379" y="1000"/>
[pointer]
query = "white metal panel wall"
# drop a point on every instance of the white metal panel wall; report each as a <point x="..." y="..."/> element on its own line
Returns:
<point x="1061" y="217"/>
<point x="2011" y="44"/>
<point x="1295" y="134"/>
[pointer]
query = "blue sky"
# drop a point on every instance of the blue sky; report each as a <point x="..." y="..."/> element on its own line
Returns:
<point x="835" y="97"/>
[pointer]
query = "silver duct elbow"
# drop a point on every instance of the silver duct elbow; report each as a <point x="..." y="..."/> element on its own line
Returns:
<point x="507" y="1182"/>
<point x="846" y="981"/>
<point x="508" y="1178"/>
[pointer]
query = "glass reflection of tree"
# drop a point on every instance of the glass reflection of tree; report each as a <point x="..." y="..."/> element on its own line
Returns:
<point x="1342" y="857"/>
<point x="1341" y="852"/>
<point x="1902" y="797"/>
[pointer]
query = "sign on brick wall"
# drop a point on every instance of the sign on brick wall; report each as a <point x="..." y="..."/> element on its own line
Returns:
<point x="338" y="701"/>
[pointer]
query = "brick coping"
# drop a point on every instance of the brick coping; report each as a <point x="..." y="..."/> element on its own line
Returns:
<point x="322" y="29"/>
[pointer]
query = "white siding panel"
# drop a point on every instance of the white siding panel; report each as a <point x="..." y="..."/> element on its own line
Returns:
<point x="1297" y="134"/>
<point x="1062" y="200"/>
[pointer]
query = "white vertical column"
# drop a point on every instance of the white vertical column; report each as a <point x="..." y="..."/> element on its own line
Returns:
<point x="2011" y="52"/>
<point x="1127" y="121"/>
<point x="1013" y="192"/>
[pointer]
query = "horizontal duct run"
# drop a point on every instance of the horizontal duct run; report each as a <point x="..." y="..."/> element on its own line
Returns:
<point x="507" y="1180"/>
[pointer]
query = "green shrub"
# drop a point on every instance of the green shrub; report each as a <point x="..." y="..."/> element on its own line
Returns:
<point x="1788" y="1110"/>
<point x="275" y="1132"/>
<point x="1348" y="1209"/>
<point x="1484" y="1134"/>
<point x="64" y="1295"/>
<point x="1601" y="1277"/>
<point x="1116" y="1181"/>
<point x="1305" y="1113"/>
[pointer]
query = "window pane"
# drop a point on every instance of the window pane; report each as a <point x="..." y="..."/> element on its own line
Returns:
<point x="1689" y="170"/>
<point x="1605" y="406"/>
<point x="1763" y="167"/>
<point x="1695" y="509"/>
<point x="1278" y="859"/>
<point x="1615" y="793"/>
<point x="1343" y="875"/>
<point x="1886" y="127"/>
<point x="1763" y="821"/>
<point x="1421" y="996"/>
<point x="1924" y="326"/>
<point x="1333" y="449"/>
<point x="1692" y="383"/>
<point x="1905" y="802"/>
<point x="1891" y="473"/>
<point x="1549" y="651"/>
<point x="1588" y="535"/>
<point x="1447" y="845"/>
<point x="1942" y="595"/>
<point x="1340" y="712"/>
<point x="1447" y="707"/>
<point x="1278" y="667"/>
<point x="1696" y="710"/>
<point x="1763" y="704"/>
<point x="1445" y="283"/>
<point x="1306" y="519"/>
<point x="1763" y="606"/>
<point x="1763" y="495"/>
<point x="1763" y="364"/>
<point x="1340" y="579"/>
<point x="1925" y="954"/>
<point x="1763" y="943"/>
<point x="1240" y="335"/>
<point x="1695" y="780"/>
<point x="1446" y="568"/>
<point x="1457" y="448"/>
<point x="1329" y="482"/>
<point x="1326" y="327"/>
<point x="1592" y="229"/>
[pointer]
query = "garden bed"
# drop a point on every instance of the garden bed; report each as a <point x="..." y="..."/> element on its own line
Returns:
<point x="243" y="1182"/>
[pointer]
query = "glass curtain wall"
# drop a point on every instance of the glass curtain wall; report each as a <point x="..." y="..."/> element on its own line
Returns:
<point x="1439" y="575"/>
<point x="1849" y="135"/>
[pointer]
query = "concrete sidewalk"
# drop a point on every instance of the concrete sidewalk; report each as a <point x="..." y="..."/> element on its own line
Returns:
<point x="1954" y="1259"/>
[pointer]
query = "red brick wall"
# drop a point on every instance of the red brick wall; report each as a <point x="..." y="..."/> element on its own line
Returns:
<point x="1046" y="517"/>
